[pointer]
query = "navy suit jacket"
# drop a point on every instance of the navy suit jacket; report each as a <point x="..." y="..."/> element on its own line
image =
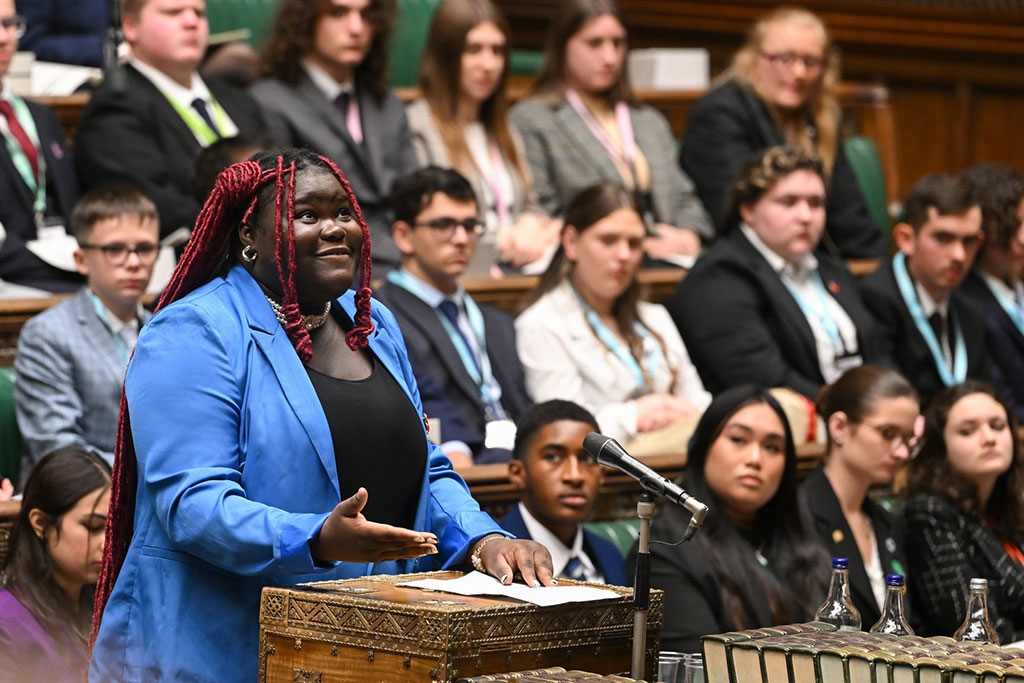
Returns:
<point x="436" y="363"/>
<point x="18" y="264"/>
<point x="602" y="553"/>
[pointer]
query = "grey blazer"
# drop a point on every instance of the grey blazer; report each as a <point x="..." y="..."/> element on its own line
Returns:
<point x="565" y="158"/>
<point x="299" y="115"/>
<point x="68" y="377"/>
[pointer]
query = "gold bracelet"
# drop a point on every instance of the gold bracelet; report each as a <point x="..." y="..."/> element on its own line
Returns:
<point x="474" y="559"/>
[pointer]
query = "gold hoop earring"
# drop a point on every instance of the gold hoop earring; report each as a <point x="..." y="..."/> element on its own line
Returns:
<point x="249" y="254"/>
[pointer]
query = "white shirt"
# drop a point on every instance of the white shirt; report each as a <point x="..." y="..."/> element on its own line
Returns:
<point x="1014" y="294"/>
<point x="184" y="97"/>
<point x="876" y="577"/>
<point x="798" y="278"/>
<point x="560" y="552"/>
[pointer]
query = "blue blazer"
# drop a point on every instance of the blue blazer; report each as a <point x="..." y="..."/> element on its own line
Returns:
<point x="237" y="474"/>
<point x="604" y="555"/>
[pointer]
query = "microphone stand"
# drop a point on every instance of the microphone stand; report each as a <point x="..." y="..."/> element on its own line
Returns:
<point x="112" y="71"/>
<point x="642" y="585"/>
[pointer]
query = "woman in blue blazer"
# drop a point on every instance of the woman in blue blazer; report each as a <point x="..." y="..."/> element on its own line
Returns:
<point x="271" y="434"/>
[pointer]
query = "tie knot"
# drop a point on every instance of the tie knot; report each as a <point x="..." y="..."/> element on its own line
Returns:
<point x="574" y="569"/>
<point x="450" y="310"/>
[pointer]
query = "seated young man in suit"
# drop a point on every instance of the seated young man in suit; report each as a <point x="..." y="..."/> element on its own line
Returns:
<point x="71" y="358"/>
<point x="466" y="349"/>
<point x="145" y="131"/>
<point x="327" y="89"/>
<point x="560" y="482"/>
<point x="38" y="187"/>
<point x="929" y="329"/>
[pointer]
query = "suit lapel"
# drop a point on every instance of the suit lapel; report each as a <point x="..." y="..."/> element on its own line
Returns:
<point x="575" y="129"/>
<point x="99" y="336"/>
<point x="162" y="111"/>
<point x="19" y="190"/>
<point x="372" y="143"/>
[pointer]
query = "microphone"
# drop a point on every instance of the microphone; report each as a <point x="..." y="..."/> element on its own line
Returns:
<point x="609" y="452"/>
<point x="112" y="71"/>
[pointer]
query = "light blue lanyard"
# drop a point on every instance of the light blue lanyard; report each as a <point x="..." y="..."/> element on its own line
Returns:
<point x="480" y="373"/>
<point x="101" y="313"/>
<point x="36" y="184"/>
<point x="611" y="342"/>
<point x="1010" y="307"/>
<point x="824" y="316"/>
<point x="906" y="286"/>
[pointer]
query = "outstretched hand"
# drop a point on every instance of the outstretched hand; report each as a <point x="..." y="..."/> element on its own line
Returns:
<point x="347" y="536"/>
<point x="506" y="559"/>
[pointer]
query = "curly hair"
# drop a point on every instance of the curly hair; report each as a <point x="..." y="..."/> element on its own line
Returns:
<point x="760" y="174"/>
<point x="999" y="191"/>
<point x="265" y="182"/>
<point x="931" y="472"/>
<point x="293" y="30"/>
<point x="823" y="106"/>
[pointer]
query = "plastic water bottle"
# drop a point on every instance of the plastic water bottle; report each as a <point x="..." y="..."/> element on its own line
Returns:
<point x="977" y="626"/>
<point x="893" y="620"/>
<point x="838" y="609"/>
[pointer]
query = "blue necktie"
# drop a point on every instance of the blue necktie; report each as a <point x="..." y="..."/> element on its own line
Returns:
<point x="574" y="570"/>
<point x="200" y="106"/>
<point x="451" y="311"/>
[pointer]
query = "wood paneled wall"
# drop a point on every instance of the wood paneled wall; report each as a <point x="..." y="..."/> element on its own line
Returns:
<point x="954" y="68"/>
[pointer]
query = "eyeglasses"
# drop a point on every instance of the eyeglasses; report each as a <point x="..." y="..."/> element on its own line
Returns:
<point x="14" y="23"/>
<point x="786" y="60"/>
<point x="895" y="438"/>
<point x="444" y="228"/>
<point x="116" y="253"/>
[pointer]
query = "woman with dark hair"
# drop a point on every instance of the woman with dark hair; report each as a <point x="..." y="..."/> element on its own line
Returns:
<point x="271" y="433"/>
<point x="965" y="515"/>
<point x="780" y="89"/>
<point x="587" y="338"/>
<point x="764" y="304"/>
<point x="51" y="570"/>
<point x="326" y="68"/>
<point x="460" y="122"/>
<point x="870" y="414"/>
<point x="755" y="562"/>
<point x="995" y="284"/>
<point x="582" y="126"/>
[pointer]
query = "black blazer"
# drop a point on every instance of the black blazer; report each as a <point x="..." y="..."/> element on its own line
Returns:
<point x="741" y="325"/>
<point x="18" y="264"/>
<point x="435" y="360"/>
<point x="900" y="339"/>
<point x="945" y="550"/>
<point x="1003" y="341"/>
<point x="834" y="531"/>
<point x="727" y="125"/>
<point x="135" y="138"/>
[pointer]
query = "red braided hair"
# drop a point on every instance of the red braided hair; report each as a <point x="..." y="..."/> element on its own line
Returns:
<point x="209" y="248"/>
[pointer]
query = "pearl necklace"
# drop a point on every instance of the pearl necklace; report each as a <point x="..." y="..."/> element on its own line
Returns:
<point x="310" y="322"/>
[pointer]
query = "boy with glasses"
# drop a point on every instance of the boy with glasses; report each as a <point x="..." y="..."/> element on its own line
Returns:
<point x="465" y="349"/>
<point x="71" y="358"/>
<point x="38" y="187"/>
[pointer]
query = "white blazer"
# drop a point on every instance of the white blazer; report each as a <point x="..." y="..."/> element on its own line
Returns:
<point x="564" y="359"/>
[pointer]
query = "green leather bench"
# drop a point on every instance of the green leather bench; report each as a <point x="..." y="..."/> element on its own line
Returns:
<point x="862" y="154"/>
<point x="10" y="438"/>
<point x="622" y="533"/>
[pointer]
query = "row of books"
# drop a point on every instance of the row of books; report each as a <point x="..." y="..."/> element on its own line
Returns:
<point x="818" y="653"/>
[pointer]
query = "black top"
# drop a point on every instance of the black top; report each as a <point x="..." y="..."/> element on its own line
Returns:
<point x="378" y="442"/>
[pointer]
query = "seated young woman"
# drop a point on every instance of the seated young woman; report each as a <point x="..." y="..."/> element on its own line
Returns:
<point x="870" y="414"/>
<point x="582" y="125"/>
<point x="765" y="304"/>
<point x="460" y="122"/>
<point x="780" y="89"/>
<point x="587" y="338"/>
<point x="755" y="562"/>
<point x="50" y="574"/>
<point x="965" y="513"/>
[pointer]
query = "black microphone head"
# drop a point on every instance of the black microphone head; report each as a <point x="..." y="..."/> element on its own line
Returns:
<point x="594" y="442"/>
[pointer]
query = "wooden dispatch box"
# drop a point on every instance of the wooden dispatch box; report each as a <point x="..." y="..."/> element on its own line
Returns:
<point x="369" y="630"/>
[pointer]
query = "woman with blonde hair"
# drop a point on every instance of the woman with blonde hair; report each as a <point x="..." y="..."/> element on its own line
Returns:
<point x="582" y="126"/>
<point x="780" y="89"/>
<point x="460" y="122"/>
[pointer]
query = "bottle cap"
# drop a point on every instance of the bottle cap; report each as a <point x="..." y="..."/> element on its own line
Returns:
<point x="894" y="580"/>
<point x="840" y="563"/>
<point x="979" y="584"/>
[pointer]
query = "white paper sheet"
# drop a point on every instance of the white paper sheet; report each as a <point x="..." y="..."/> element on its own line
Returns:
<point x="476" y="583"/>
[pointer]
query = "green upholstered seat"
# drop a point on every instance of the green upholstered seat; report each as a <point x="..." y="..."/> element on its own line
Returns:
<point x="10" y="438"/>
<point x="867" y="167"/>
<point x="254" y="15"/>
<point x="409" y="38"/>
<point x="526" y="62"/>
<point x="621" y="532"/>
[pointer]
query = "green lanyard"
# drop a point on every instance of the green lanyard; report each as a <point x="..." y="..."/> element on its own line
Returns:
<point x="195" y="122"/>
<point x="37" y="185"/>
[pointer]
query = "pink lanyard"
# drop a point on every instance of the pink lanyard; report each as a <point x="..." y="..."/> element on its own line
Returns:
<point x="627" y="155"/>
<point x="492" y="176"/>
